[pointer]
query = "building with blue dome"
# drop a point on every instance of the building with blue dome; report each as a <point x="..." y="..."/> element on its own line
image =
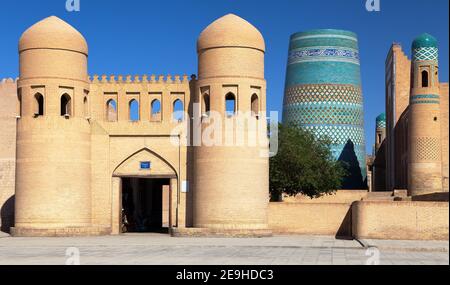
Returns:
<point x="416" y="120"/>
<point x="424" y="122"/>
<point x="377" y="167"/>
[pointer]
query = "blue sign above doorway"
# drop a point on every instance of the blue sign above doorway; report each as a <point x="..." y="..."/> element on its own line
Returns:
<point x="146" y="165"/>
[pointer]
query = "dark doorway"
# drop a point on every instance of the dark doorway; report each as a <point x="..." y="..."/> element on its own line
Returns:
<point x="144" y="202"/>
<point x="7" y="215"/>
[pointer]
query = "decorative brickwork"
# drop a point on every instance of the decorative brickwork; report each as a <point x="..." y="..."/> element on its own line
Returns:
<point x="427" y="149"/>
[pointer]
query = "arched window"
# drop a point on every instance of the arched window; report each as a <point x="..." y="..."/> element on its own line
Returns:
<point x="39" y="106"/>
<point x="19" y="102"/>
<point x="133" y="110"/>
<point x="86" y="107"/>
<point x="425" y="78"/>
<point x="230" y="104"/>
<point x="155" y="110"/>
<point x="66" y="103"/>
<point x="178" y="111"/>
<point x="379" y="138"/>
<point x="111" y="111"/>
<point x="255" y="105"/>
<point x="206" y="105"/>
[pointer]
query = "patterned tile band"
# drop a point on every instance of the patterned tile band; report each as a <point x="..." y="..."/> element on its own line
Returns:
<point x="324" y="104"/>
<point x="325" y="72"/>
<point x="323" y="54"/>
<point x="327" y="114"/>
<point x="304" y="37"/>
<point x="381" y="124"/>
<point x="425" y="53"/>
<point x="425" y="102"/>
<point x="425" y="96"/>
<point x="381" y="121"/>
<point x="430" y="99"/>
<point x="323" y="93"/>
<point x="338" y="134"/>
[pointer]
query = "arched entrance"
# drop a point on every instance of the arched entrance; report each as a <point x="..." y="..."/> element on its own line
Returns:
<point x="144" y="194"/>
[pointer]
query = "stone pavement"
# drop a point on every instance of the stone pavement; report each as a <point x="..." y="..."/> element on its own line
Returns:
<point x="149" y="249"/>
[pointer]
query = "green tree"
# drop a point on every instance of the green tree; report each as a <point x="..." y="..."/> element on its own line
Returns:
<point x="303" y="165"/>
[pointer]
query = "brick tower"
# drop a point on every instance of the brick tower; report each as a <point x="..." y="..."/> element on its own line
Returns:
<point x="53" y="134"/>
<point x="231" y="191"/>
<point x="425" y="160"/>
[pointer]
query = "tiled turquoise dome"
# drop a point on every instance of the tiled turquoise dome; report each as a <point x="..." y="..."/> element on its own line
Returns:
<point x="425" y="48"/>
<point x="425" y="40"/>
<point x="381" y="117"/>
<point x="381" y="120"/>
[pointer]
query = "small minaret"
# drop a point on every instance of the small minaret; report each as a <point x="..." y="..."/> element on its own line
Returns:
<point x="380" y="132"/>
<point x="424" y="142"/>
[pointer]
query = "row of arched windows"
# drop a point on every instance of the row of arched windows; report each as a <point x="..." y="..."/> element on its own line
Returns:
<point x="155" y="107"/>
<point x="65" y="105"/>
<point x="134" y="110"/>
<point x="230" y="104"/>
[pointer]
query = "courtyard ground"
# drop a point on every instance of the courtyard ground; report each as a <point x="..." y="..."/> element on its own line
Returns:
<point x="152" y="249"/>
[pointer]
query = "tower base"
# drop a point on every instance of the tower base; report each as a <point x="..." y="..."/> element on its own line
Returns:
<point x="218" y="233"/>
<point x="60" y="232"/>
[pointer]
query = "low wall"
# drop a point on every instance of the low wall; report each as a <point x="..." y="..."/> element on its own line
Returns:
<point x="400" y="220"/>
<point x="340" y="196"/>
<point x="310" y="218"/>
<point x="433" y="197"/>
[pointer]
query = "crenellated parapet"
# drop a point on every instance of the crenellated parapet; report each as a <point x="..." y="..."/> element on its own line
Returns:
<point x="8" y="86"/>
<point x="8" y="81"/>
<point x="138" y="79"/>
<point x="156" y="97"/>
<point x="9" y="99"/>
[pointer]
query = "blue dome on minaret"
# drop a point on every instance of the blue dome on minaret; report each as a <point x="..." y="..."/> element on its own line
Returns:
<point x="425" y="48"/>
<point x="381" y="121"/>
<point x="425" y="40"/>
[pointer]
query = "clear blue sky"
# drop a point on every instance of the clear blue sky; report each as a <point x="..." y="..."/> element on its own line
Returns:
<point x="145" y="37"/>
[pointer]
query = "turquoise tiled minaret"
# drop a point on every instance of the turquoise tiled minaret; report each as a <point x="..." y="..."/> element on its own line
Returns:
<point x="323" y="94"/>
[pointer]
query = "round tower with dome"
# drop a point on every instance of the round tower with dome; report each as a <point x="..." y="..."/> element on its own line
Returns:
<point x="53" y="133"/>
<point x="425" y="159"/>
<point x="231" y="190"/>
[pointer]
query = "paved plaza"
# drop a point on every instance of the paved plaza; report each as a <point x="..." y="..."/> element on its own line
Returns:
<point x="158" y="249"/>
